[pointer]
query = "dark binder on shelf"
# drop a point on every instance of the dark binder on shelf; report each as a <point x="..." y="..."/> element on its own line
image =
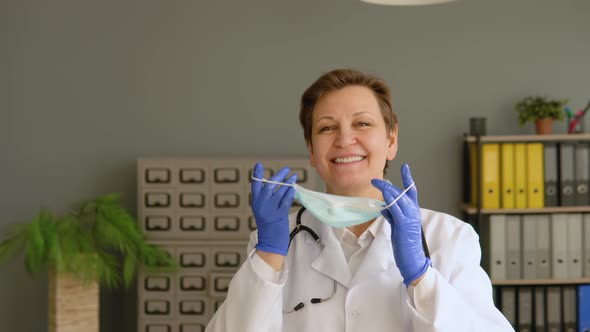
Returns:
<point x="582" y="151"/>
<point x="566" y="174"/>
<point x="525" y="309"/>
<point x="586" y="244"/>
<point x="551" y="175"/>
<point x="540" y="304"/>
<point x="467" y="171"/>
<point x="509" y="304"/>
<point x="554" y="309"/>
<point x="584" y="308"/>
<point x="569" y="308"/>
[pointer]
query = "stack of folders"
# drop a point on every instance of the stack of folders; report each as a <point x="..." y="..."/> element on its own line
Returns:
<point x="545" y="308"/>
<point x="531" y="175"/>
<point x="540" y="246"/>
<point x="536" y="246"/>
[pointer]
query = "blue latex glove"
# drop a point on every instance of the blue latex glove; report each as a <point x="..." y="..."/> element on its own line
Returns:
<point x="406" y="227"/>
<point x="271" y="210"/>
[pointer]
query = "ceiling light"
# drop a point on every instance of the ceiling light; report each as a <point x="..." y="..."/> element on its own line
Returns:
<point x="406" y="2"/>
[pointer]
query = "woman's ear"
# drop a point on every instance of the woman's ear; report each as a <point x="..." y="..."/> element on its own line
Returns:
<point x="392" y="143"/>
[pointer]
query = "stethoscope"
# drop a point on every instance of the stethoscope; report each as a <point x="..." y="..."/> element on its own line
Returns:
<point x="298" y="228"/>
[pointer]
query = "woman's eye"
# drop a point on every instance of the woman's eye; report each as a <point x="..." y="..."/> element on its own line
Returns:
<point x="363" y="124"/>
<point x="326" y="128"/>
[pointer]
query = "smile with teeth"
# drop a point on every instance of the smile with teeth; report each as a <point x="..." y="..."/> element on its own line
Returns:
<point x="346" y="160"/>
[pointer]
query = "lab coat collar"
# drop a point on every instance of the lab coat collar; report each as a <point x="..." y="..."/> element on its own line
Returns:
<point x="331" y="261"/>
<point x="371" y="231"/>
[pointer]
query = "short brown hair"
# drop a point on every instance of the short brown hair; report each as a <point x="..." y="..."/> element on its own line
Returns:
<point x="338" y="79"/>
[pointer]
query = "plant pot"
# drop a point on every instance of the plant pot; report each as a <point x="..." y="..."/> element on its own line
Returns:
<point x="73" y="306"/>
<point x="544" y="126"/>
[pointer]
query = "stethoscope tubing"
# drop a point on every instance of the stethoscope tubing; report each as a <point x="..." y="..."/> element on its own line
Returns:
<point x="300" y="227"/>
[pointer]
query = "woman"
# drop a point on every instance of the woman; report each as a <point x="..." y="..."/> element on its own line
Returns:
<point x="374" y="276"/>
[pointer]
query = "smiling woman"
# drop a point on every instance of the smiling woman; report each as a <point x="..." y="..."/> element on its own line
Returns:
<point x="373" y="274"/>
<point x="350" y="143"/>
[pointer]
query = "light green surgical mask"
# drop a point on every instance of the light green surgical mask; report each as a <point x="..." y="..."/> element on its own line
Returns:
<point x="338" y="211"/>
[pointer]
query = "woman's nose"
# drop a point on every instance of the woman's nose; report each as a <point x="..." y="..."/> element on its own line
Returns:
<point x="345" y="137"/>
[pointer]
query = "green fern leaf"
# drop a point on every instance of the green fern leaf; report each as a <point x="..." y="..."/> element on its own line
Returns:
<point x="15" y="241"/>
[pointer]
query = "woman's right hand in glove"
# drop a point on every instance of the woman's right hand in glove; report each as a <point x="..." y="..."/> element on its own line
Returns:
<point x="270" y="207"/>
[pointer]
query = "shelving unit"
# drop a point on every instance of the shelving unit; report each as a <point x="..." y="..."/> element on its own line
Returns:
<point x="541" y="282"/>
<point x="470" y="210"/>
<point x="528" y="138"/>
<point x="476" y="215"/>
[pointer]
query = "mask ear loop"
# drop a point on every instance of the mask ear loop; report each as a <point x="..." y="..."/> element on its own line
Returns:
<point x="292" y="185"/>
<point x="274" y="182"/>
<point x="400" y="196"/>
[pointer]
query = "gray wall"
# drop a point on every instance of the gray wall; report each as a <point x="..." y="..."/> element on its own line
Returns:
<point x="87" y="87"/>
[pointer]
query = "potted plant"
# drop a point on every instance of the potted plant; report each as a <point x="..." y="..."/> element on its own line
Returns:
<point x="97" y="243"/>
<point x="541" y="110"/>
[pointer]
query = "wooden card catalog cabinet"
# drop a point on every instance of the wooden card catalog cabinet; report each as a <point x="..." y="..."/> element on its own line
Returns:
<point x="199" y="211"/>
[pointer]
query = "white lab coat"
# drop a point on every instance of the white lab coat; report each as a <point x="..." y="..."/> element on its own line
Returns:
<point x="375" y="298"/>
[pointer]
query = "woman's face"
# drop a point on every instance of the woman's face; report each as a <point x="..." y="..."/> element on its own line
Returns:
<point x="349" y="141"/>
